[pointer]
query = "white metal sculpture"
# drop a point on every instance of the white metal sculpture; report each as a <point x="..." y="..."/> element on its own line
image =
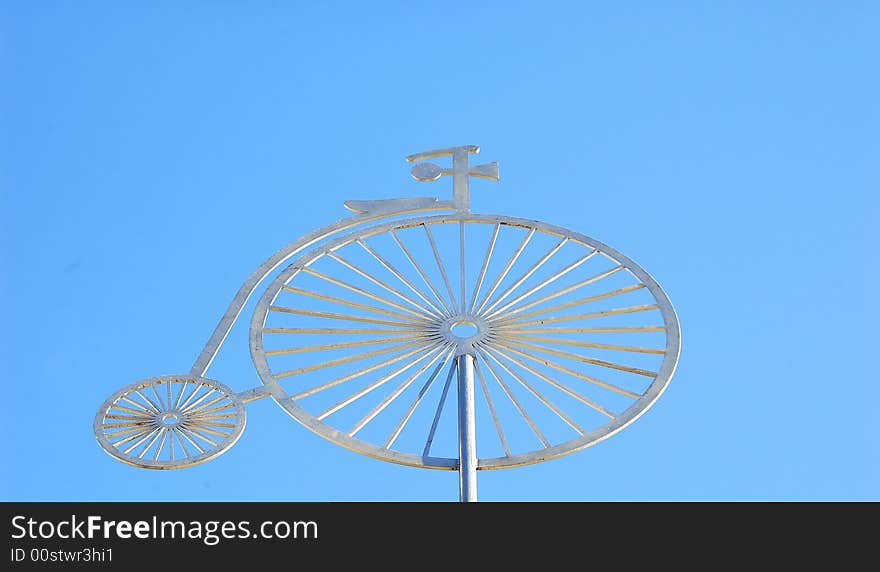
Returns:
<point x="359" y="337"/>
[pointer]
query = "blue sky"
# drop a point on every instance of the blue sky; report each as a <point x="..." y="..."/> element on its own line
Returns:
<point x="154" y="154"/>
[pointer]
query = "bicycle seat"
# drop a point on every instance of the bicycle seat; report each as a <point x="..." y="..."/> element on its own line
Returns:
<point x="392" y="205"/>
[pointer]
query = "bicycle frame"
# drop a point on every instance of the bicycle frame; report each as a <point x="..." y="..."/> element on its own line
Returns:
<point x="212" y="347"/>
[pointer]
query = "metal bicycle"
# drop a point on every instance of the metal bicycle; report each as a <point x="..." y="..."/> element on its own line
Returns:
<point x="362" y="332"/>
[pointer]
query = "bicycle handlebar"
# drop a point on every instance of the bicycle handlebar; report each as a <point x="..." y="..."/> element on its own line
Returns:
<point x="472" y="149"/>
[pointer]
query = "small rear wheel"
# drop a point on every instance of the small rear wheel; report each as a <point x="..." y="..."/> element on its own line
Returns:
<point x="170" y="422"/>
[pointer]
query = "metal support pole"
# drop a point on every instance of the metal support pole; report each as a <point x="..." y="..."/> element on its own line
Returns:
<point x="461" y="180"/>
<point x="467" y="438"/>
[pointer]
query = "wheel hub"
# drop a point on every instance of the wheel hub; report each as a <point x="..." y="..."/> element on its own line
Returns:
<point x="464" y="330"/>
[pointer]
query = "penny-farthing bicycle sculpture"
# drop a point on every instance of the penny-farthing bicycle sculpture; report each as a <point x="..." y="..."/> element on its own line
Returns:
<point x="555" y="342"/>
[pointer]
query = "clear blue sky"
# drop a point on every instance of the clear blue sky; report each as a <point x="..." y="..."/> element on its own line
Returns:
<point x="153" y="154"/>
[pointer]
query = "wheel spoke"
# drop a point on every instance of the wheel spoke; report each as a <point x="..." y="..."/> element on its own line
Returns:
<point x="352" y="304"/>
<point x="180" y="393"/>
<point x="149" y="445"/>
<point x="163" y="435"/>
<point x="141" y="439"/>
<point x="335" y="256"/>
<point x="343" y="345"/>
<point x="485" y="266"/>
<point x="126" y="424"/>
<point x="563" y="369"/>
<point x="202" y="416"/>
<point x="350" y="331"/>
<point x="378" y="383"/>
<point x="201" y="422"/>
<point x="561" y="292"/>
<point x="577" y="357"/>
<point x="140" y="406"/>
<point x="514" y="400"/>
<point x="124" y="432"/>
<point x="558" y="385"/>
<point x="197" y="387"/>
<point x="137" y="412"/>
<point x="514" y="257"/>
<point x="412" y="408"/>
<point x="158" y="397"/>
<point x="348" y="359"/>
<point x="541" y="397"/>
<point x="608" y="330"/>
<point x="580" y="344"/>
<point x="397" y="391"/>
<point x="215" y="409"/>
<point x="192" y="409"/>
<point x="541" y="285"/>
<point x="579" y="302"/>
<point x="200" y="428"/>
<point x="491" y="404"/>
<point x="534" y="268"/>
<point x="202" y="399"/>
<point x="163" y="406"/>
<point x="156" y="408"/>
<point x="422" y="349"/>
<point x="366" y="293"/>
<point x="406" y="281"/>
<point x="336" y="316"/>
<point x="442" y="268"/>
<point x="448" y="310"/>
<point x="126" y="417"/>
<point x="176" y="432"/>
<point x="189" y="429"/>
<point x="587" y="316"/>
<point x="192" y="442"/>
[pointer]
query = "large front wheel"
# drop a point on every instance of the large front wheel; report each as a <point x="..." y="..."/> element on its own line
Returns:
<point x="572" y="340"/>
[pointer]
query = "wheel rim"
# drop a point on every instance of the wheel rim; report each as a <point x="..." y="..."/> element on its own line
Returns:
<point x="381" y="313"/>
<point x="170" y="422"/>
